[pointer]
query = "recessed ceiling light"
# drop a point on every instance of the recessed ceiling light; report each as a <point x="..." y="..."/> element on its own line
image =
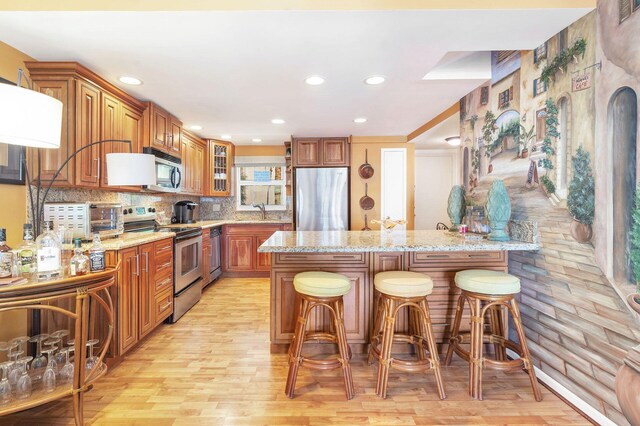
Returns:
<point x="360" y="120"/>
<point x="256" y="140"/>
<point x="277" y="121"/>
<point x="225" y="136"/>
<point x="314" y="80"/>
<point x="453" y="140"/>
<point x="374" y="79"/>
<point x="127" y="79"/>
<point x="195" y="127"/>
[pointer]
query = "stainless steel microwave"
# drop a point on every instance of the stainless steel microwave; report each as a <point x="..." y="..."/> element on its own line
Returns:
<point x="168" y="172"/>
<point x="86" y="219"/>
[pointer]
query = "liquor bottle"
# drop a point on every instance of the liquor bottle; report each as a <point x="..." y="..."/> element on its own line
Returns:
<point x="97" y="259"/>
<point x="27" y="252"/>
<point x="48" y="249"/>
<point x="79" y="263"/>
<point x="6" y="256"/>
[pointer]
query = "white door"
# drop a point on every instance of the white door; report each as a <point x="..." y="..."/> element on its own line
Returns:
<point x="436" y="173"/>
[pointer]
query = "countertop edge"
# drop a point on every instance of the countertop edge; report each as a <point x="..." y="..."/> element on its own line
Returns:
<point x="377" y="249"/>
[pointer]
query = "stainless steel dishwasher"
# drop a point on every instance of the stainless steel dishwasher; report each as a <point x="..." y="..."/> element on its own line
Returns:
<point x="215" y="269"/>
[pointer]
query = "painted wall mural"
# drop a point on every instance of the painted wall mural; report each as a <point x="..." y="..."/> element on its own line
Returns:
<point x="569" y="110"/>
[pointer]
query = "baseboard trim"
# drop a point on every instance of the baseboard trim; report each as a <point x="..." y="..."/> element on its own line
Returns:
<point x="573" y="400"/>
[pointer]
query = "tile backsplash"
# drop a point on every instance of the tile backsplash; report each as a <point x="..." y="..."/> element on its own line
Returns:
<point x="209" y="207"/>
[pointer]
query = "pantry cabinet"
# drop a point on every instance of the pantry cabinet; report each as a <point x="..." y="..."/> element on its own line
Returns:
<point x="218" y="168"/>
<point x="320" y="152"/>
<point x="93" y="109"/>
<point x="144" y="291"/>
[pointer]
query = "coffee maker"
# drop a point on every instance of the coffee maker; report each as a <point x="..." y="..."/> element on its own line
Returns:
<point x="183" y="212"/>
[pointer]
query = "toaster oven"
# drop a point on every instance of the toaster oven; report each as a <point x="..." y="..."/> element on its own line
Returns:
<point x="87" y="219"/>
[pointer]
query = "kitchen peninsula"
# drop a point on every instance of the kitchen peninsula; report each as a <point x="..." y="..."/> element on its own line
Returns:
<point x="360" y="255"/>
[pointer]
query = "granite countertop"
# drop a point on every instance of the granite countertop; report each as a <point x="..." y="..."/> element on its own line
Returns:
<point x="379" y="241"/>
<point x="131" y="239"/>
<point x="204" y="224"/>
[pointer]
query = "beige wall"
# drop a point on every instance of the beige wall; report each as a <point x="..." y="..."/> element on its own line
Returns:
<point x="13" y="197"/>
<point x="374" y="144"/>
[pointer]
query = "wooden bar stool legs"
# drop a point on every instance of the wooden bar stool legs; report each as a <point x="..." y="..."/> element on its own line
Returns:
<point x="332" y="303"/>
<point x="480" y="305"/>
<point x="421" y="336"/>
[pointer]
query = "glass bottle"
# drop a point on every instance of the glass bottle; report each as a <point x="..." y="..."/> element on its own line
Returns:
<point x="97" y="261"/>
<point x="48" y="250"/>
<point x="27" y="252"/>
<point x="79" y="263"/>
<point x="6" y="256"/>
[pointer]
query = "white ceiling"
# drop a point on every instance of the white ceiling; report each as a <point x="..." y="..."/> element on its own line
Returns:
<point x="232" y="72"/>
<point x="434" y="138"/>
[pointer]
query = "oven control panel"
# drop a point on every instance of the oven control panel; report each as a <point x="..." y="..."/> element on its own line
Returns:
<point x="138" y="213"/>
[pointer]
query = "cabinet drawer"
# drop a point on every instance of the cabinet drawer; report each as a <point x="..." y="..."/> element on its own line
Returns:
<point x="164" y="265"/>
<point x="251" y="229"/>
<point x="320" y="258"/>
<point x="477" y="258"/>
<point x="164" y="283"/>
<point x="163" y="247"/>
<point x="163" y="306"/>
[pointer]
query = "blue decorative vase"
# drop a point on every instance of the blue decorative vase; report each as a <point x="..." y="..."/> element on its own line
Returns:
<point x="456" y="207"/>
<point x="498" y="211"/>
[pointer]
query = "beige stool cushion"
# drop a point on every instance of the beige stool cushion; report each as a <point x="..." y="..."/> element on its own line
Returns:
<point x="487" y="282"/>
<point x="403" y="284"/>
<point x="321" y="284"/>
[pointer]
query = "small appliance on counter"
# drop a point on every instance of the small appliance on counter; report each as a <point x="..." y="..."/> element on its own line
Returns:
<point x="87" y="219"/>
<point x="183" y="212"/>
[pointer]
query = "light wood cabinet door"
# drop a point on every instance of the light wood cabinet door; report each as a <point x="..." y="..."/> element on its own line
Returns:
<point x="198" y="168"/>
<point x="163" y="306"/>
<point x="239" y="253"/>
<point x="87" y="131"/>
<point x="51" y="159"/>
<point x="335" y="152"/>
<point x="147" y="294"/>
<point x="263" y="260"/>
<point x="218" y="163"/>
<point x="307" y="152"/>
<point x="110" y="128"/>
<point x="160" y="135"/>
<point x="174" y="142"/>
<point x="131" y="124"/>
<point x="128" y="299"/>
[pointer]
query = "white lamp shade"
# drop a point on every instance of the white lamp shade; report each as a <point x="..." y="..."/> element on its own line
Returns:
<point x="29" y="118"/>
<point x="131" y="169"/>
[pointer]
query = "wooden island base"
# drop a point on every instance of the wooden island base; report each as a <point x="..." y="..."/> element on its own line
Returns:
<point x="361" y="268"/>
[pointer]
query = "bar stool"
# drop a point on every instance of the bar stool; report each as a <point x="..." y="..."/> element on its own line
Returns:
<point x="397" y="290"/>
<point x="487" y="292"/>
<point x="320" y="289"/>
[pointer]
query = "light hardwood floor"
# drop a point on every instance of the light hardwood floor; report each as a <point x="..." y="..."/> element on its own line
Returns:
<point x="214" y="367"/>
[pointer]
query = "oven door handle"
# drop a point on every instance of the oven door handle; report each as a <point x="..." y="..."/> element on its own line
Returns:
<point x="172" y="177"/>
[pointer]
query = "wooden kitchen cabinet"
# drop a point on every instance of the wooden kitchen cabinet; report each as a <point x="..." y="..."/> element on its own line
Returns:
<point x="144" y="280"/>
<point x="93" y="110"/>
<point x="193" y="164"/>
<point x="162" y="130"/>
<point x="240" y="244"/>
<point x="218" y="164"/>
<point x="321" y="152"/>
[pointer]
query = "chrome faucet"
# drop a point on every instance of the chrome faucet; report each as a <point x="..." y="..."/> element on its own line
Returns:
<point x="263" y="210"/>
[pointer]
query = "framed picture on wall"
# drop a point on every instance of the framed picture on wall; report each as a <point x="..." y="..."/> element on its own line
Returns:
<point x="11" y="159"/>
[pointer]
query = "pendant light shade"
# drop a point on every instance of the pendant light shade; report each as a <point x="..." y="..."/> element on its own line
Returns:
<point x="29" y="118"/>
<point x="126" y="169"/>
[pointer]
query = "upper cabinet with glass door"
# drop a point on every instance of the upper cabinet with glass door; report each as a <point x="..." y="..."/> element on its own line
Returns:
<point x="218" y="168"/>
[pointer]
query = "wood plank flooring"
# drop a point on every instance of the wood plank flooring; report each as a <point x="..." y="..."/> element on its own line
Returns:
<point x="214" y="367"/>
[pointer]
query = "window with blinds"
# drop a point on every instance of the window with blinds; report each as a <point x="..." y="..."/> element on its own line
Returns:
<point x="540" y="53"/>
<point x="539" y="87"/>
<point x="505" y="97"/>
<point x="503" y="55"/>
<point x="484" y="94"/>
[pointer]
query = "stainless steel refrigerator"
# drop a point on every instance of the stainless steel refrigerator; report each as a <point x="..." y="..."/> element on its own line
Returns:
<point x="322" y="199"/>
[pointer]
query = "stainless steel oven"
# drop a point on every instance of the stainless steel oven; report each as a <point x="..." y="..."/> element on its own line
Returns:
<point x="187" y="271"/>
<point x="168" y="172"/>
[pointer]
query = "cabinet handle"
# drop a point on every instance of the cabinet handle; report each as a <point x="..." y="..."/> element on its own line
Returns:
<point x="438" y="256"/>
<point x="165" y="265"/>
<point x="344" y="256"/>
<point x="164" y="282"/>
<point x="166" y="248"/>
<point x="146" y="262"/>
<point x="165" y="306"/>
<point x="97" y="160"/>
<point x="137" y="273"/>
